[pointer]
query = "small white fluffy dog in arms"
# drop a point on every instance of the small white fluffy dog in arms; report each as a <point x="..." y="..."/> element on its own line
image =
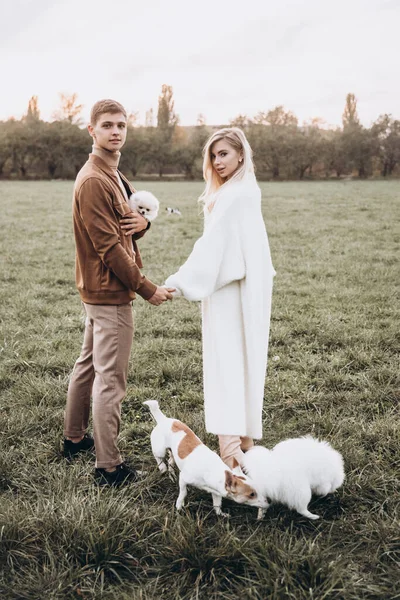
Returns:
<point x="198" y="465"/>
<point x="145" y="203"/>
<point x="294" y="470"/>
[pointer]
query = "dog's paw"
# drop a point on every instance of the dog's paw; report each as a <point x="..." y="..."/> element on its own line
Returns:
<point x="172" y="475"/>
<point x="220" y="513"/>
<point x="314" y="517"/>
<point x="309" y="515"/>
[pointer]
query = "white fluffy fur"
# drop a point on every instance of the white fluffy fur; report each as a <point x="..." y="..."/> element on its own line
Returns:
<point x="145" y="203"/>
<point x="294" y="470"/>
<point x="202" y="468"/>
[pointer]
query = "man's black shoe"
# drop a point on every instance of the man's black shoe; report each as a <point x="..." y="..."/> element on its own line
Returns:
<point x="71" y="449"/>
<point x="122" y="475"/>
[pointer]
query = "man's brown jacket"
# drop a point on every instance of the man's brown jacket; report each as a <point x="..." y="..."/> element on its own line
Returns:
<point x="107" y="261"/>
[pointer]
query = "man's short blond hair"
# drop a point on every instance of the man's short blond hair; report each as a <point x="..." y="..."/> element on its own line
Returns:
<point x="105" y="106"/>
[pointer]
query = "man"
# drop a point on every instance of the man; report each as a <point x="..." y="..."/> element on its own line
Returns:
<point x="108" y="277"/>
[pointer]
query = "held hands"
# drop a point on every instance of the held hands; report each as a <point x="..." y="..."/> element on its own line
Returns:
<point x="162" y="294"/>
<point x="133" y="223"/>
<point x="175" y="293"/>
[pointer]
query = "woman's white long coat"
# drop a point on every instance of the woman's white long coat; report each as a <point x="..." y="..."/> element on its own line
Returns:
<point x="231" y="272"/>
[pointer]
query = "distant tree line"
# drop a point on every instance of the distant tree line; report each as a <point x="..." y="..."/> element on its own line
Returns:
<point x="31" y="148"/>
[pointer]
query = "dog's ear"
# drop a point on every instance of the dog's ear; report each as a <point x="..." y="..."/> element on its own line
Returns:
<point x="229" y="481"/>
<point x="237" y="470"/>
<point x="236" y="467"/>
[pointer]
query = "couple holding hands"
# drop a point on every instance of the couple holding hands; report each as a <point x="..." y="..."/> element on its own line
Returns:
<point x="229" y="271"/>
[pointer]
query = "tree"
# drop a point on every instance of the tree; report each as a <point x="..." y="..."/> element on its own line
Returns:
<point x="386" y="133"/>
<point x="277" y="117"/>
<point x="51" y="148"/>
<point x="149" y="120"/>
<point x="133" y="119"/>
<point x="270" y="137"/>
<point x="356" y="139"/>
<point x="333" y="153"/>
<point x="137" y="148"/>
<point x="305" y="149"/>
<point x="5" y="148"/>
<point x="241" y="121"/>
<point x="69" y="109"/>
<point x="33" y="113"/>
<point x="350" y="115"/>
<point x="188" y="152"/>
<point x="166" y="117"/>
<point x="167" y="120"/>
<point x="23" y="147"/>
<point x="357" y="148"/>
<point x="201" y="120"/>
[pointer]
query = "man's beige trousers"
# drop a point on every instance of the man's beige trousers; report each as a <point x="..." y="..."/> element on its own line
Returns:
<point x="101" y="372"/>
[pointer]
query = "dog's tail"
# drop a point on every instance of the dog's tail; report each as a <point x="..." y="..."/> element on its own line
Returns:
<point x="155" y="410"/>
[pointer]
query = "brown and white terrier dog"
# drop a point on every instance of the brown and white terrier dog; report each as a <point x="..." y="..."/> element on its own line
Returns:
<point x="198" y="465"/>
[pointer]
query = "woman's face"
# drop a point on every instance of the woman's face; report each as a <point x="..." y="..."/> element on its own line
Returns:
<point x="225" y="159"/>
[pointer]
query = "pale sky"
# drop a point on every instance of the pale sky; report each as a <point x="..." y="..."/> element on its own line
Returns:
<point x="222" y="57"/>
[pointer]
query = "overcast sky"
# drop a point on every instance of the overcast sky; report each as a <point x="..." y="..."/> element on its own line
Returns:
<point x="222" y="57"/>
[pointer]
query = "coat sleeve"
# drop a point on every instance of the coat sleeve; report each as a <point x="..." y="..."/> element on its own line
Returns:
<point x="97" y="214"/>
<point x="217" y="257"/>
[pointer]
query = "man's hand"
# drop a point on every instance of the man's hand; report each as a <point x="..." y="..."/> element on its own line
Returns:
<point x="133" y="223"/>
<point x="161" y="295"/>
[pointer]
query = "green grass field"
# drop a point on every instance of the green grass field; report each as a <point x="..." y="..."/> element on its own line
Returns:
<point x="333" y="372"/>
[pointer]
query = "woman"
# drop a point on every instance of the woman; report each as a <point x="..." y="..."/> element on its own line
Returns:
<point x="231" y="272"/>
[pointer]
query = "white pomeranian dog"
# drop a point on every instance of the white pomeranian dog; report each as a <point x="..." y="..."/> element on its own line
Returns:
<point x="145" y="203"/>
<point x="294" y="470"/>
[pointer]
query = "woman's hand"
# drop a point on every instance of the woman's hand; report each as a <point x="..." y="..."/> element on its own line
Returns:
<point x="133" y="223"/>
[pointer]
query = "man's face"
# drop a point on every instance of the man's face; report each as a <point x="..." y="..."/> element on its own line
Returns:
<point x="109" y="132"/>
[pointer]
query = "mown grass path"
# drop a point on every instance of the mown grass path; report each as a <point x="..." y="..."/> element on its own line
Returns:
<point x="333" y="372"/>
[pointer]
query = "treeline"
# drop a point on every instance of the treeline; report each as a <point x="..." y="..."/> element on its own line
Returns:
<point x="31" y="148"/>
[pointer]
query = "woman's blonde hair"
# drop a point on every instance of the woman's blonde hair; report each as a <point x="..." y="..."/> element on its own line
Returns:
<point x="235" y="138"/>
